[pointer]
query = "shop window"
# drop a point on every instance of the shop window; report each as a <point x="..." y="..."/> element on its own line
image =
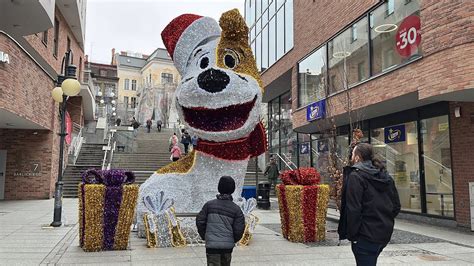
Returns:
<point x="320" y="157"/>
<point x="345" y="54"/>
<point x="271" y="42"/>
<point x="264" y="48"/>
<point x="395" y="34"/>
<point x="288" y="25"/>
<point x="397" y="147"/>
<point x="280" y="32"/>
<point x="437" y="166"/>
<point x="275" y="123"/>
<point x="312" y="76"/>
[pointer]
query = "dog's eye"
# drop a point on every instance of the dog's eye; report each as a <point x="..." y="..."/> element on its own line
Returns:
<point x="204" y="62"/>
<point x="231" y="59"/>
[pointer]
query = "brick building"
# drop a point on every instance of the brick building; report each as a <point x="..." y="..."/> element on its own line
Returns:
<point x="35" y="35"/>
<point x="400" y="70"/>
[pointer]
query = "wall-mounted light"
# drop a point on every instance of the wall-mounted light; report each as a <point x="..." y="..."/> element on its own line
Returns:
<point x="457" y="111"/>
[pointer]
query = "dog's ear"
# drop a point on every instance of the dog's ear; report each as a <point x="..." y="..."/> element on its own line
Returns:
<point x="235" y="41"/>
<point x="233" y="26"/>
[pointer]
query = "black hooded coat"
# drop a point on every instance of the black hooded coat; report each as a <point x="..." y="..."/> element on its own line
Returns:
<point x="369" y="204"/>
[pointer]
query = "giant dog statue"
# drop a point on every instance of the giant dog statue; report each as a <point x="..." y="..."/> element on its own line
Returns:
<point x="218" y="99"/>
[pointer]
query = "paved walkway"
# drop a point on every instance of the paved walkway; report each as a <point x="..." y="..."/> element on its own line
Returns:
<point x="26" y="239"/>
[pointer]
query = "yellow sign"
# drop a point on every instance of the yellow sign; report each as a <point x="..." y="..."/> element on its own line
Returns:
<point x="443" y="126"/>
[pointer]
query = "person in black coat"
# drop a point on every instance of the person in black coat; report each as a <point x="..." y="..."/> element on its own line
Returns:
<point x="369" y="205"/>
<point x="221" y="224"/>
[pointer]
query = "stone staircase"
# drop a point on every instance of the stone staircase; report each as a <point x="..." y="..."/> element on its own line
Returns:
<point x="90" y="156"/>
<point x="150" y="152"/>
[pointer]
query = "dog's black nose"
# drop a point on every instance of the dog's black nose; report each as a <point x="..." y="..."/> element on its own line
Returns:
<point x="213" y="80"/>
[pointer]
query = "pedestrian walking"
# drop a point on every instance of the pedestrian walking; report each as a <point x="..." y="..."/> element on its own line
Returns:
<point x="194" y="141"/>
<point x="271" y="172"/>
<point x="186" y="140"/>
<point x="172" y="141"/>
<point x="175" y="153"/>
<point x="369" y="205"/>
<point x="158" y="125"/>
<point x="221" y="224"/>
<point x="135" y="126"/>
<point x="118" y="121"/>
<point x="148" y="125"/>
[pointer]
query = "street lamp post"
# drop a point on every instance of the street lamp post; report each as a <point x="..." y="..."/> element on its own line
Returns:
<point x="67" y="85"/>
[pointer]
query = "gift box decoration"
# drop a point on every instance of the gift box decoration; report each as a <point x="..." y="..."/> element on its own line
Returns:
<point x="251" y="220"/>
<point x="303" y="205"/>
<point x="107" y="201"/>
<point x="161" y="225"/>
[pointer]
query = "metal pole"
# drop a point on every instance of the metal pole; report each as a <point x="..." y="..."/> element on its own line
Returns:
<point x="256" y="176"/>
<point x="58" y="194"/>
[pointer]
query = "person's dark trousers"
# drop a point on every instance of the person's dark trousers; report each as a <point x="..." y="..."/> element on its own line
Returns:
<point x="366" y="252"/>
<point x="219" y="259"/>
<point x="175" y="159"/>
<point x="159" y="128"/>
<point x="148" y="129"/>
<point x="186" y="147"/>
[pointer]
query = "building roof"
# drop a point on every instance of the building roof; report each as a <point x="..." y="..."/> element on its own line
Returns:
<point x="130" y="61"/>
<point x="159" y="53"/>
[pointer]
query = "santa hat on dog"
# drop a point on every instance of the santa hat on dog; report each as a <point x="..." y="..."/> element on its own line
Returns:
<point x="184" y="33"/>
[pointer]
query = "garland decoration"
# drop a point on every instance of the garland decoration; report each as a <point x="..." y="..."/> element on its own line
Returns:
<point x="303" y="205"/>
<point x="106" y="208"/>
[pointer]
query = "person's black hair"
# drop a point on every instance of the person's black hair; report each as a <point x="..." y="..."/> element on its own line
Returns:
<point x="366" y="153"/>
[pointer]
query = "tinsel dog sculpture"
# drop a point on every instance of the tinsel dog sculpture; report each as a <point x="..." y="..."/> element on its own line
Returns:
<point x="218" y="100"/>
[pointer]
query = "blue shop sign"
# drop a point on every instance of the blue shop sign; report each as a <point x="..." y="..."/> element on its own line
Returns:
<point x="395" y="134"/>
<point x="316" y="110"/>
<point x="304" y="148"/>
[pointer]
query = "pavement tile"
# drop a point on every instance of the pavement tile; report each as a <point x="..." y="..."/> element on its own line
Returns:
<point x="444" y="248"/>
<point x="91" y="259"/>
<point x="469" y="257"/>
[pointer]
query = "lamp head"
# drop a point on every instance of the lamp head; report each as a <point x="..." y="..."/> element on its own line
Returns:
<point x="71" y="87"/>
<point x="57" y="94"/>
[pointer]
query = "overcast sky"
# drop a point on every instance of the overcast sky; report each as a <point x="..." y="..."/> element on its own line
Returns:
<point x="136" y="25"/>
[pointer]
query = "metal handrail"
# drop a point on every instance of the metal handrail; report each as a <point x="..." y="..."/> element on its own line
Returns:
<point x="106" y="149"/>
<point x="281" y="158"/>
<point x="76" y="146"/>
<point x="289" y="160"/>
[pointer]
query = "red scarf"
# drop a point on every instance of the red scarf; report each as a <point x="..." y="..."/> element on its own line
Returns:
<point x="235" y="150"/>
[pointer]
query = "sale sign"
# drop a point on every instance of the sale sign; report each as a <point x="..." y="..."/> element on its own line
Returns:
<point x="408" y="36"/>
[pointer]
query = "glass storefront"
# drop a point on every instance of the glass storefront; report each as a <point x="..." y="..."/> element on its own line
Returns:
<point x="437" y="166"/>
<point x="400" y="157"/>
<point x="413" y="144"/>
